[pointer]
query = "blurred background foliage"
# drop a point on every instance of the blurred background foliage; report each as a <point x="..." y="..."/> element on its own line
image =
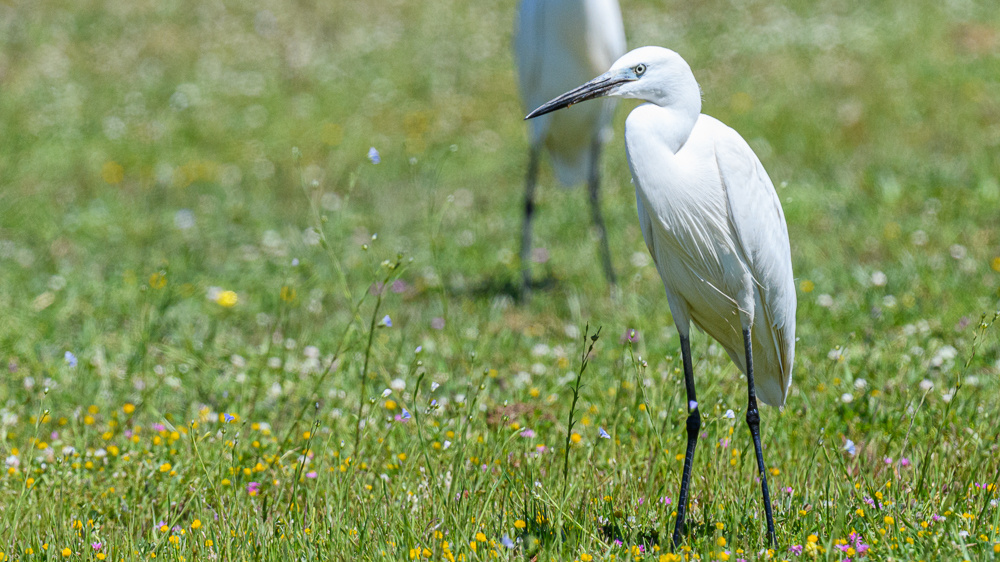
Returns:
<point x="143" y="138"/>
<point x="156" y="154"/>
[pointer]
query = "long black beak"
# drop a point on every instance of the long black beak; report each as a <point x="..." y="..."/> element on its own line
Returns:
<point x="596" y="88"/>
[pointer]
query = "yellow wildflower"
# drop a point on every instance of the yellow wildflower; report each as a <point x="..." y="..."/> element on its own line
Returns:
<point x="158" y="280"/>
<point x="227" y="299"/>
<point x="113" y="173"/>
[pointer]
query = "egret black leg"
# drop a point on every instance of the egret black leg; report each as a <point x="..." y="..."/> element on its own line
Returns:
<point x="529" y="211"/>
<point x="693" y="427"/>
<point x="753" y="420"/>
<point x="593" y="185"/>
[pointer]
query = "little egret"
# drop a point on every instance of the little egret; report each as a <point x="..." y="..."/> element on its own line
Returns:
<point x="714" y="226"/>
<point x="559" y="44"/>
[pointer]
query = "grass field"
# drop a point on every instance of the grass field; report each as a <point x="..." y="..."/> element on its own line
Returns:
<point x="205" y="279"/>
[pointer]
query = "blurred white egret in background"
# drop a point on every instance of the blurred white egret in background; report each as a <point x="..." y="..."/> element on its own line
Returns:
<point x="714" y="226"/>
<point x="558" y="44"/>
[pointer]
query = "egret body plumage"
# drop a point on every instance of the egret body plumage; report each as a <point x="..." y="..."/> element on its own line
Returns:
<point x="712" y="221"/>
<point x="557" y="45"/>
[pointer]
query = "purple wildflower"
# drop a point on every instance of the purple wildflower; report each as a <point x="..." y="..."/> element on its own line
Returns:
<point x="373" y="156"/>
<point x="630" y="335"/>
<point x="859" y="544"/>
<point x="850" y="448"/>
<point x="399" y="286"/>
<point x="963" y="323"/>
<point x="540" y="255"/>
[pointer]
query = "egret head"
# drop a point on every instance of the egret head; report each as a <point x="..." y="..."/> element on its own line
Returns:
<point x="652" y="74"/>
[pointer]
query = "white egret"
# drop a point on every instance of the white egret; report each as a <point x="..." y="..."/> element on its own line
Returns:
<point x="558" y="44"/>
<point x="714" y="226"/>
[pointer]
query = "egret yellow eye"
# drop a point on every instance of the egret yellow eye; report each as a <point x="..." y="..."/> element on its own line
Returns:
<point x="639" y="69"/>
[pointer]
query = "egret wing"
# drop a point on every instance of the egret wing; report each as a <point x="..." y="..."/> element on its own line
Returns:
<point x="762" y="236"/>
<point x="645" y="224"/>
<point x="608" y="39"/>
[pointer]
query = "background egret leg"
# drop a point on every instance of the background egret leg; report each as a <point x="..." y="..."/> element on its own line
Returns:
<point x="693" y="427"/>
<point x="594" y="184"/>
<point x="753" y="420"/>
<point x="529" y="211"/>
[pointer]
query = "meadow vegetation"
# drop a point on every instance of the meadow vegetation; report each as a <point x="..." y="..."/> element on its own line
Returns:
<point x="230" y="232"/>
